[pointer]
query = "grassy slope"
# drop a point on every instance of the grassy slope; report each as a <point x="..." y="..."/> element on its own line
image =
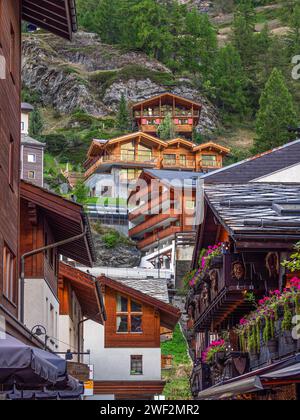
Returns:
<point x="178" y="385"/>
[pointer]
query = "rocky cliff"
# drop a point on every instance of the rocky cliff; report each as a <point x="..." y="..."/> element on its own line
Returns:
<point x="91" y="76"/>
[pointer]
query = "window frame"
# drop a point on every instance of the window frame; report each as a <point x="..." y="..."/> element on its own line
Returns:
<point x="136" y="359"/>
<point x="9" y="275"/>
<point x="34" y="175"/>
<point x="129" y="314"/>
<point x="34" y="158"/>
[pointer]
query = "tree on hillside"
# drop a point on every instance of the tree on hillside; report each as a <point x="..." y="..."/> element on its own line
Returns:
<point x="81" y="193"/>
<point x="123" y="118"/>
<point x="276" y="114"/>
<point x="36" y="123"/>
<point x="294" y="34"/>
<point x="243" y="31"/>
<point x="166" y="130"/>
<point x="230" y="81"/>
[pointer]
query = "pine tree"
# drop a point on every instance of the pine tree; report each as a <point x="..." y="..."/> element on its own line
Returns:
<point x="123" y="119"/>
<point x="166" y="130"/>
<point x="276" y="114"/>
<point x="294" y="34"/>
<point x="243" y="31"/>
<point x="230" y="81"/>
<point x="36" y="123"/>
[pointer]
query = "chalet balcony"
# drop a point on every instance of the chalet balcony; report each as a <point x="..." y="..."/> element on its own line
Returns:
<point x="167" y="362"/>
<point x="160" y="236"/>
<point x="153" y="222"/>
<point x="221" y="292"/>
<point x="187" y="164"/>
<point x="124" y="159"/>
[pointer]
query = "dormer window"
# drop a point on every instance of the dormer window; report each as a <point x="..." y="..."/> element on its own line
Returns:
<point x="209" y="160"/>
<point x="129" y="316"/>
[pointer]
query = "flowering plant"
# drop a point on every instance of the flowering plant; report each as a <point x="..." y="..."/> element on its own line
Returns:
<point x="267" y="313"/>
<point x="214" y="348"/>
<point x="293" y="264"/>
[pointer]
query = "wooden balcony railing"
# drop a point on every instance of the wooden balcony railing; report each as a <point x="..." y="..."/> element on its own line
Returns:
<point x="155" y="238"/>
<point x="126" y="159"/>
<point x="153" y="222"/>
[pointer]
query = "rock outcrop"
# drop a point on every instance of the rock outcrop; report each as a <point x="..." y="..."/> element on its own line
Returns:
<point x="124" y="255"/>
<point x="89" y="75"/>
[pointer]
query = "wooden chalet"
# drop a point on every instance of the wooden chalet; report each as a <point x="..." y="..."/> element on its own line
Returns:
<point x="255" y="227"/>
<point x="149" y="114"/>
<point x="46" y="220"/>
<point x="80" y="298"/>
<point x="142" y="150"/>
<point x="126" y="353"/>
<point x="57" y="16"/>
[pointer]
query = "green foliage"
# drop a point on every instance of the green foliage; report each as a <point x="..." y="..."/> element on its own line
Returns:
<point x="123" y="118"/>
<point x="276" y="114"/>
<point x="36" y="123"/>
<point x="81" y="193"/>
<point x="243" y="30"/>
<point x="230" y="81"/>
<point x="287" y="323"/>
<point x="177" y="379"/>
<point x="166" y="130"/>
<point x="112" y="238"/>
<point x="293" y="264"/>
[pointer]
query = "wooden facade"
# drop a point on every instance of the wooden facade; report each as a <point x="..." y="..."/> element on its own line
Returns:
<point x="161" y="212"/>
<point x="141" y="150"/>
<point x="10" y="39"/>
<point x="250" y="263"/>
<point x="49" y="16"/>
<point x="185" y="114"/>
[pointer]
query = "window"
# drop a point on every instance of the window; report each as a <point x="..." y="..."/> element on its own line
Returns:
<point x="129" y="316"/>
<point x="22" y="126"/>
<point x="31" y="158"/>
<point x="183" y="160"/>
<point x="128" y="152"/>
<point x="136" y="365"/>
<point x="31" y="174"/>
<point x="170" y="160"/>
<point x="11" y="163"/>
<point x="209" y="160"/>
<point x="144" y="154"/>
<point x="9" y="284"/>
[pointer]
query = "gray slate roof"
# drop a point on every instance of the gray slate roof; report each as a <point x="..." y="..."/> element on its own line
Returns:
<point x="257" y="166"/>
<point x="25" y="139"/>
<point x="257" y="208"/>
<point x="155" y="288"/>
<point x="169" y="177"/>
<point x="26" y="107"/>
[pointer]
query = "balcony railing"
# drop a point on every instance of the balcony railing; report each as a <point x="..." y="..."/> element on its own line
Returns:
<point x="155" y="238"/>
<point x="124" y="158"/>
<point x="153" y="222"/>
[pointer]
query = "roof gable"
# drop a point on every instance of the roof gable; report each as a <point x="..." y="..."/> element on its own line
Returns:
<point x="168" y="96"/>
<point x="66" y="219"/>
<point x="168" y="313"/>
<point x="212" y="146"/>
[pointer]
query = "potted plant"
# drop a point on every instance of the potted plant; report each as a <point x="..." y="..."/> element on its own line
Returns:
<point x="216" y="352"/>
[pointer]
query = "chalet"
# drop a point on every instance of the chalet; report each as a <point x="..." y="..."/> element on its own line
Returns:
<point x="80" y="298"/>
<point x="113" y="166"/>
<point x="248" y="231"/>
<point x="50" y="226"/>
<point x="32" y="151"/>
<point x="162" y="219"/>
<point x="126" y="352"/>
<point x="185" y="114"/>
<point x="56" y="16"/>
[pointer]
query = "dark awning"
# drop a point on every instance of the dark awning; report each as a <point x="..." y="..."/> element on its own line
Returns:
<point x="22" y="364"/>
<point x="244" y="386"/>
<point x="255" y="381"/>
<point x="56" y="16"/>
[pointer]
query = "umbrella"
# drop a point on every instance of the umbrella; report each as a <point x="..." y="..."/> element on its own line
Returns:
<point x="22" y="364"/>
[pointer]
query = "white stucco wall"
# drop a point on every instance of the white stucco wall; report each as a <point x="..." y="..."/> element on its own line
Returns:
<point x="42" y="308"/>
<point x="288" y="175"/>
<point x="114" y="364"/>
<point x="68" y="329"/>
<point x="24" y="123"/>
